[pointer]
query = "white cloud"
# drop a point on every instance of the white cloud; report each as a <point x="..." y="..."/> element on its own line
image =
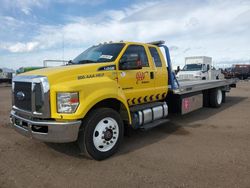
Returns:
<point x="17" y="60"/>
<point x="216" y="28"/>
<point x="20" y="47"/>
<point x="26" y="11"/>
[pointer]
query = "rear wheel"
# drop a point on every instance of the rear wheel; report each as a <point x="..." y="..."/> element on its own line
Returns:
<point x="223" y="96"/>
<point x="216" y="98"/>
<point x="102" y="133"/>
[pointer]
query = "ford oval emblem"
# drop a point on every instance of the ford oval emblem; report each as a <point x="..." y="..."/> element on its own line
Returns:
<point x="20" y="96"/>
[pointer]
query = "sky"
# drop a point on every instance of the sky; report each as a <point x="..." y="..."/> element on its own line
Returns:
<point x="34" y="30"/>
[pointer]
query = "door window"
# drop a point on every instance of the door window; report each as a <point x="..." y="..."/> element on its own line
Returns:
<point x="137" y="49"/>
<point x="155" y="56"/>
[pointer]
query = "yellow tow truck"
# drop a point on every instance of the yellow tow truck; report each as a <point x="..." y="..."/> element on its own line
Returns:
<point x="102" y="91"/>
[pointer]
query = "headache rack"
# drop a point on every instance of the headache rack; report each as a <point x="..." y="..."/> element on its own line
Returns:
<point x="173" y="82"/>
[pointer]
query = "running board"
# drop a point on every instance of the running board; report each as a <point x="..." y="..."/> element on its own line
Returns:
<point x="154" y="124"/>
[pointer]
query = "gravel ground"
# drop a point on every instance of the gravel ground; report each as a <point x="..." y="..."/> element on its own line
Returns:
<point x="207" y="148"/>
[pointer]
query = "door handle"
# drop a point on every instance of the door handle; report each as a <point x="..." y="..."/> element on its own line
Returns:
<point x="152" y="76"/>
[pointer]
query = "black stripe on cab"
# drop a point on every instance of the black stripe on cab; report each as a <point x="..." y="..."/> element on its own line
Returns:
<point x="139" y="100"/>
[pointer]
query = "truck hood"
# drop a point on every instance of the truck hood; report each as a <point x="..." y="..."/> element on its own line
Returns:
<point x="71" y="72"/>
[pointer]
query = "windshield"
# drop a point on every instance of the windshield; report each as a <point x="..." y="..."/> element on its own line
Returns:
<point x="100" y="53"/>
<point x="192" y="67"/>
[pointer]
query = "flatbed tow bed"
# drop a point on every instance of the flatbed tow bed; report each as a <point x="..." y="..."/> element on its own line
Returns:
<point x="187" y="96"/>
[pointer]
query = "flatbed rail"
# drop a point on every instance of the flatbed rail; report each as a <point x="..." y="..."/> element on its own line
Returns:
<point x="200" y="85"/>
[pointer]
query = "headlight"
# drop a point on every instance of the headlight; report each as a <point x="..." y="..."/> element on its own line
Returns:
<point x="67" y="102"/>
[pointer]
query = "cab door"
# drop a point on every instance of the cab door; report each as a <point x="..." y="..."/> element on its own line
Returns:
<point x="160" y="73"/>
<point x="137" y="84"/>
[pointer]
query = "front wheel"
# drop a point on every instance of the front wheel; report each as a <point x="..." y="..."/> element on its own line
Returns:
<point x="102" y="133"/>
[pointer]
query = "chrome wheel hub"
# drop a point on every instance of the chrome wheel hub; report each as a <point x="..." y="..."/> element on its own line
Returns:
<point x="219" y="96"/>
<point x="106" y="134"/>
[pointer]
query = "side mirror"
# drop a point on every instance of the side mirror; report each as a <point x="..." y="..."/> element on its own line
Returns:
<point x="130" y="62"/>
<point x="208" y="67"/>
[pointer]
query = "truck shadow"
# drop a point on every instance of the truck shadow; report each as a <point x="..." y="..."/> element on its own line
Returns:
<point x="176" y="126"/>
<point x="70" y="149"/>
<point x="205" y="112"/>
<point x="138" y="139"/>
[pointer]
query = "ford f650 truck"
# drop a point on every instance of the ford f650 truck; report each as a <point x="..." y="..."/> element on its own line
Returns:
<point x="103" y="90"/>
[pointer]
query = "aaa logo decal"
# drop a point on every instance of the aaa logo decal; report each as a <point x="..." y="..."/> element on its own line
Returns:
<point x="140" y="76"/>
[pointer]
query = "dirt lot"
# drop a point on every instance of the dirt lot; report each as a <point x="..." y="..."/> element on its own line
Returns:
<point x="207" y="148"/>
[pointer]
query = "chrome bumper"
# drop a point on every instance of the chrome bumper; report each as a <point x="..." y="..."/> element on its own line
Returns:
<point x="46" y="131"/>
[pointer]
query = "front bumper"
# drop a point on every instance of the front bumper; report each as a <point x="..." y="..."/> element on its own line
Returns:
<point x="46" y="131"/>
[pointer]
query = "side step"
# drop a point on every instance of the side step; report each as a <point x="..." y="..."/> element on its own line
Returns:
<point x="154" y="124"/>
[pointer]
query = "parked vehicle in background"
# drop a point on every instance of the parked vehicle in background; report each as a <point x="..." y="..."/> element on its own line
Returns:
<point x="199" y="68"/>
<point x="5" y="76"/>
<point x="46" y="63"/>
<point x="27" y="69"/>
<point x="241" y="71"/>
<point x="228" y="73"/>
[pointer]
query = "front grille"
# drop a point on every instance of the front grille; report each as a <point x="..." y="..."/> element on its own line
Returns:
<point x="31" y="96"/>
<point x="23" y="88"/>
<point x="38" y="97"/>
<point x="186" y="76"/>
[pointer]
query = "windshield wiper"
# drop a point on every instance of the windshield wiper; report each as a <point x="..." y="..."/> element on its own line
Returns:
<point x="86" y="61"/>
<point x="70" y="62"/>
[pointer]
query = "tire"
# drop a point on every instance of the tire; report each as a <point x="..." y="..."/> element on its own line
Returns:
<point x="223" y="96"/>
<point x="216" y="98"/>
<point x="102" y="133"/>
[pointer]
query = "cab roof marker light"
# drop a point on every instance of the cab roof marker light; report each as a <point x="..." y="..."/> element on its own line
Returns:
<point x="160" y="42"/>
